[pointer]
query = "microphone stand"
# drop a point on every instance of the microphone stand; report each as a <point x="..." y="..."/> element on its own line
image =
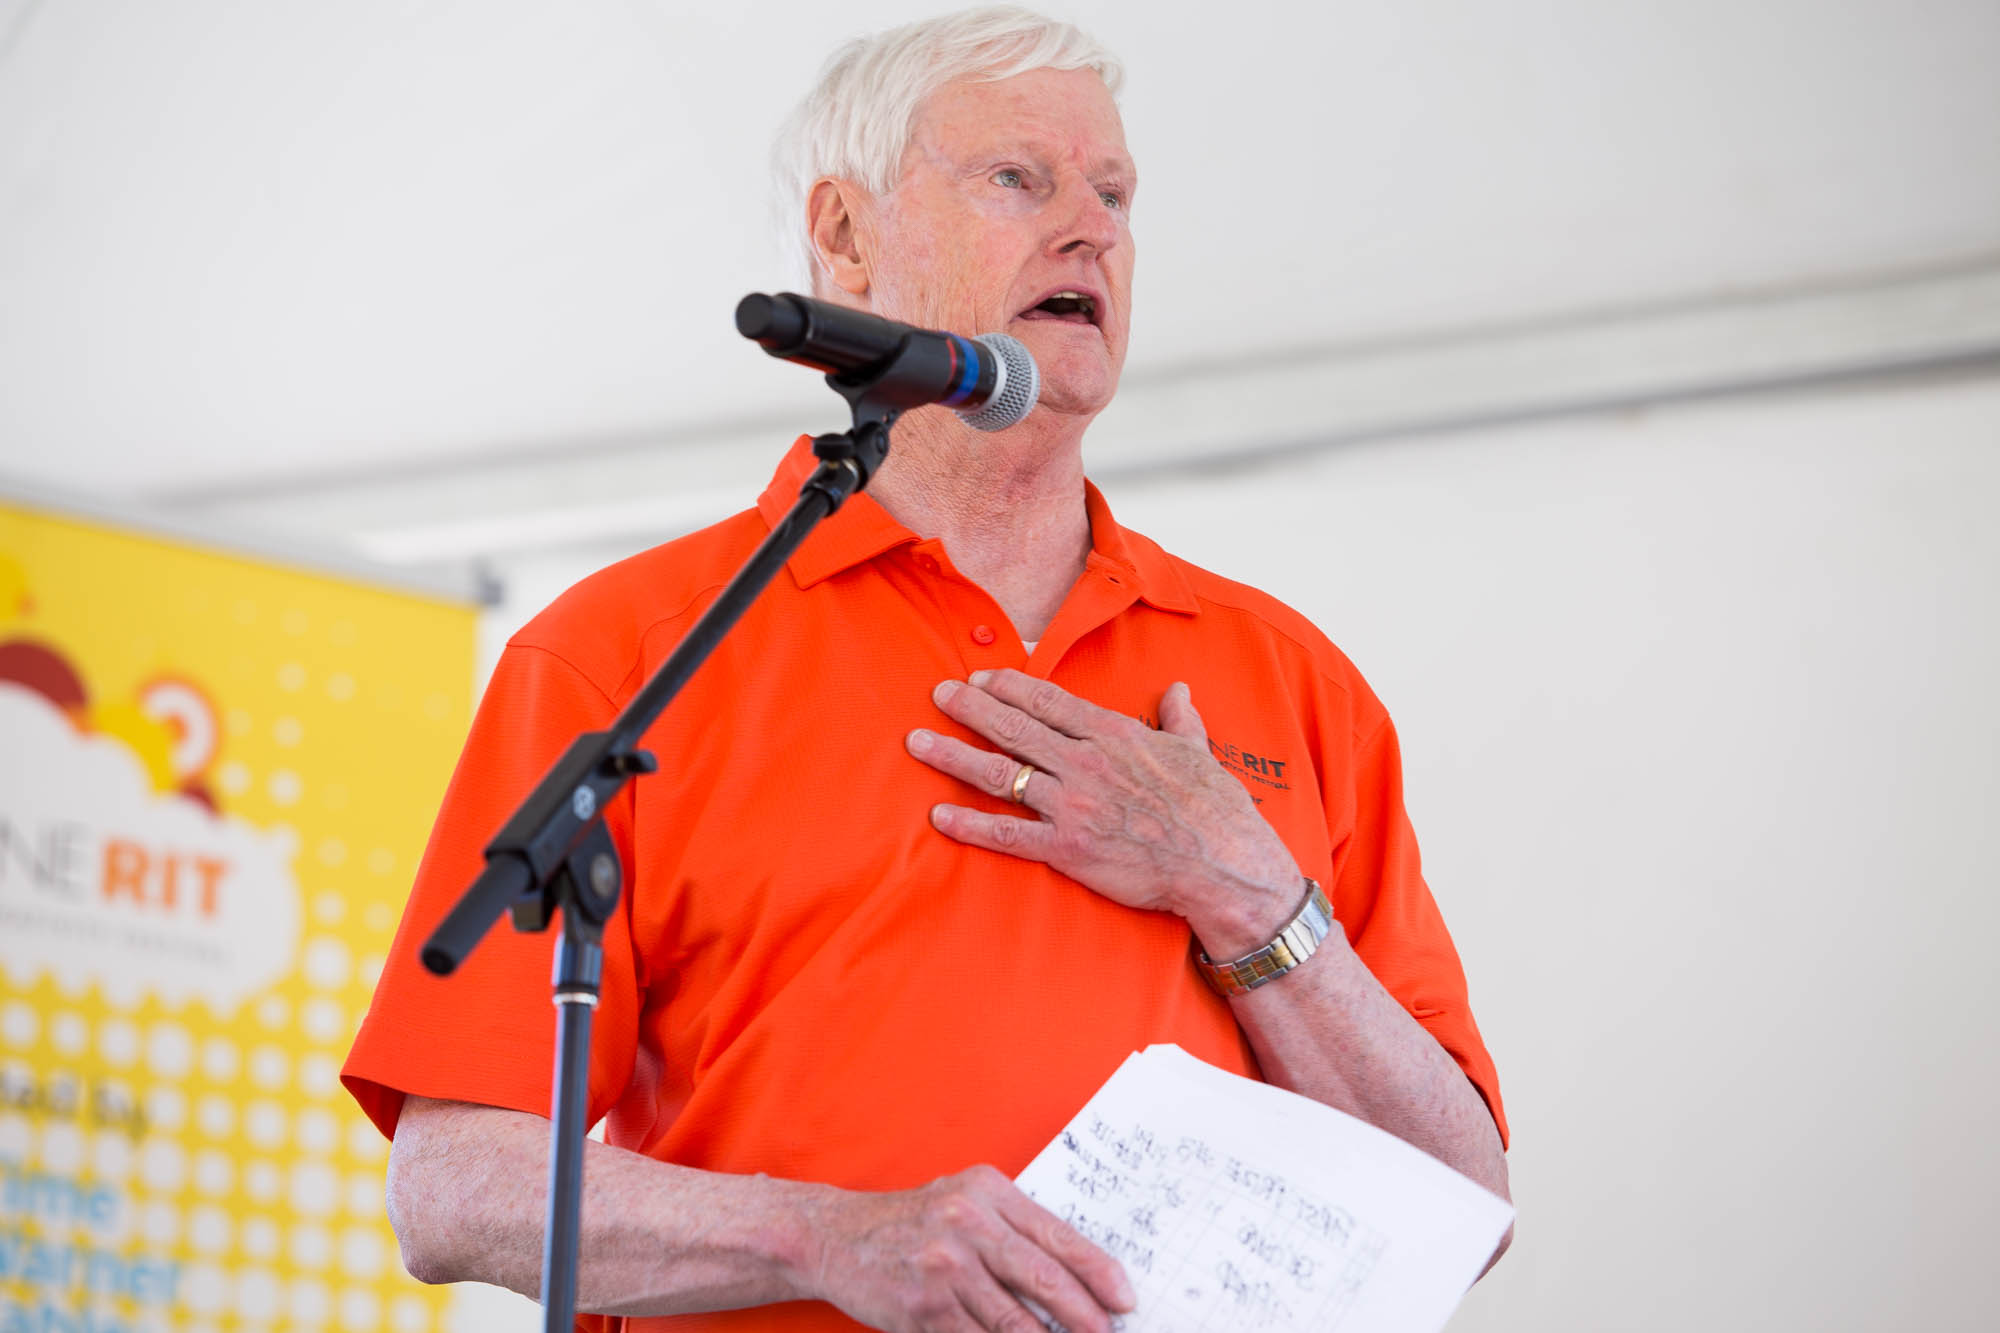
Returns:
<point x="554" y="855"/>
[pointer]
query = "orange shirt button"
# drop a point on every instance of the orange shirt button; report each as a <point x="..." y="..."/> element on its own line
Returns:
<point x="983" y="635"/>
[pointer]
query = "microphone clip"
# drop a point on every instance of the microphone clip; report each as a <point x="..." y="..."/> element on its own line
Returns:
<point x="875" y="398"/>
<point x="848" y="458"/>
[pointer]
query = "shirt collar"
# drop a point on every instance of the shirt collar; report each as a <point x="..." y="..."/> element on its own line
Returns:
<point x="862" y="530"/>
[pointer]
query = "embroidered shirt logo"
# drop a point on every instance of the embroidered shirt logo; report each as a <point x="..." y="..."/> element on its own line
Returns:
<point x="1259" y="768"/>
<point x="1255" y="767"/>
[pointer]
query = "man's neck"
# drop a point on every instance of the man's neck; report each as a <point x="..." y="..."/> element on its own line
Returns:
<point x="1008" y="507"/>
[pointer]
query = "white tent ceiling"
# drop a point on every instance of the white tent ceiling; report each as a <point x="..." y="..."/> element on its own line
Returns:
<point x="254" y="251"/>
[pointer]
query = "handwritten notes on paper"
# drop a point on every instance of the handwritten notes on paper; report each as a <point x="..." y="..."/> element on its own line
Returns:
<point x="1234" y="1204"/>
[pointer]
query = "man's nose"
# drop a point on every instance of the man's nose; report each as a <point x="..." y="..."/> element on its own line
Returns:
<point x="1086" y="220"/>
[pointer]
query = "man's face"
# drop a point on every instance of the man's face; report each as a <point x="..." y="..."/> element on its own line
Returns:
<point x="1012" y="192"/>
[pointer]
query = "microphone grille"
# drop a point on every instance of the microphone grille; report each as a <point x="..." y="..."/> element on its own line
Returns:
<point x="1019" y="384"/>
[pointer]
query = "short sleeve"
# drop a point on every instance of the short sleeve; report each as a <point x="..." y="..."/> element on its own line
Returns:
<point x="486" y="1034"/>
<point x="1393" y="923"/>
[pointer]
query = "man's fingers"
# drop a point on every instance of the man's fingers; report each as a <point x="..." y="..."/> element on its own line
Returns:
<point x="1178" y="715"/>
<point x="1030" y="839"/>
<point x="1101" y="1274"/>
<point x="950" y="1256"/>
<point x="1045" y="701"/>
<point x="1002" y="1264"/>
<point x="992" y="1304"/>
<point x="961" y="1320"/>
<point x="988" y="770"/>
<point x="1008" y="727"/>
<point x="993" y="1310"/>
<point x="1020" y="1269"/>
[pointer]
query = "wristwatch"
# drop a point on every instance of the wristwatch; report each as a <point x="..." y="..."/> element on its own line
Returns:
<point x="1295" y="943"/>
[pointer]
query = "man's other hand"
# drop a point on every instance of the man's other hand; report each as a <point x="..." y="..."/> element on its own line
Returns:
<point x="961" y="1253"/>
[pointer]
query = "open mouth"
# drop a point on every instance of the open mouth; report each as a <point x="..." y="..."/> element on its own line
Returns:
<point x="1069" y="307"/>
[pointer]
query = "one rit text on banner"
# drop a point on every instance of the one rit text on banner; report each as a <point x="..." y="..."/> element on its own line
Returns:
<point x="219" y="772"/>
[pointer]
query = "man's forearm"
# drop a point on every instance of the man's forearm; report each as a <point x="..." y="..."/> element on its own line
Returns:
<point x="468" y="1193"/>
<point x="1330" y="1031"/>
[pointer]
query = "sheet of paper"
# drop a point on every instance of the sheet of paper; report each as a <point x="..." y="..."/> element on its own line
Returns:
<point x="1234" y="1204"/>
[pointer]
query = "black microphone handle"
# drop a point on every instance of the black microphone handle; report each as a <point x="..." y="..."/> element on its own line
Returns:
<point x="820" y="334"/>
<point x="853" y="345"/>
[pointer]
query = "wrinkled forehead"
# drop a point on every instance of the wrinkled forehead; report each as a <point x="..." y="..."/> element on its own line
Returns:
<point x="1052" y="115"/>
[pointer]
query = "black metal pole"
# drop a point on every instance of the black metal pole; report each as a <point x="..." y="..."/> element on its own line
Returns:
<point x="579" y="969"/>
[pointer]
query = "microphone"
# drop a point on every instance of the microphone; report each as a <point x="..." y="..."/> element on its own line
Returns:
<point x="991" y="380"/>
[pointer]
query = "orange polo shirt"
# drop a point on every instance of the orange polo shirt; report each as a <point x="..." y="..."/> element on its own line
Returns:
<point x="804" y="978"/>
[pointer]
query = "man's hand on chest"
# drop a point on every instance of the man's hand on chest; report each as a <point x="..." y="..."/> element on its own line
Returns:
<point x="1146" y="818"/>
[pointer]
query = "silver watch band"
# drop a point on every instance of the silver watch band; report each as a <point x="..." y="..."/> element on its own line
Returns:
<point x="1295" y="943"/>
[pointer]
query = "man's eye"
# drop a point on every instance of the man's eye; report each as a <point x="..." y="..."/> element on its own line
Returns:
<point x="1010" y="178"/>
<point x="1112" y="199"/>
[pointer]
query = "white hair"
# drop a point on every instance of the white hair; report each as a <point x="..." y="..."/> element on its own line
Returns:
<point x="856" y="121"/>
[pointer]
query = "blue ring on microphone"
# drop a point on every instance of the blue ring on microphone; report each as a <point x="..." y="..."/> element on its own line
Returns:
<point x="968" y="377"/>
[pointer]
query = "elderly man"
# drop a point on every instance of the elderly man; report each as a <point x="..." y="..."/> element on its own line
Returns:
<point x="940" y="834"/>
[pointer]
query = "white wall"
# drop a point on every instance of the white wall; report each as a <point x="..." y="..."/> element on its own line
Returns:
<point x="1697" y="705"/>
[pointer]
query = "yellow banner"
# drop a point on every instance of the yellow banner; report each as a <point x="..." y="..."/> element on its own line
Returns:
<point x="218" y="775"/>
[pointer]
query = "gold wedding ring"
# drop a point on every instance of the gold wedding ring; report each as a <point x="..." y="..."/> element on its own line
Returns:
<point x="1020" y="791"/>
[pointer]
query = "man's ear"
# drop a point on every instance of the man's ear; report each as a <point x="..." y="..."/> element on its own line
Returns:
<point x="832" y="223"/>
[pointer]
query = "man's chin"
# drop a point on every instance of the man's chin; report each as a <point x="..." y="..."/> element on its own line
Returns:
<point x="1077" y="378"/>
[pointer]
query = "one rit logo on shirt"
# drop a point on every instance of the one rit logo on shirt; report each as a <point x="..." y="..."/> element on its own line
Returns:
<point x="1260" y="768"/>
